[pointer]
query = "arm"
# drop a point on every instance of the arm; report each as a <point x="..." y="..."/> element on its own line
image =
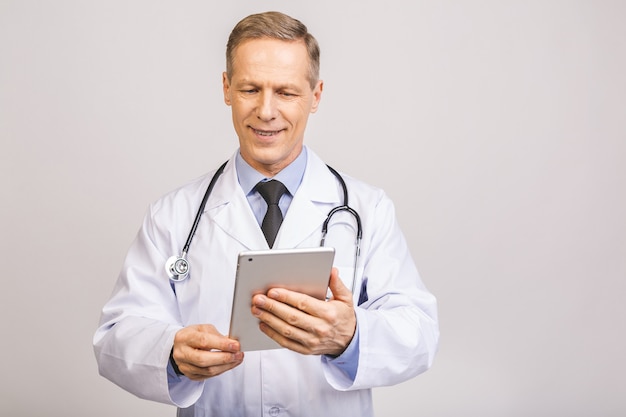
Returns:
<point x="397" y="321"/>
<point x="141" y="324"/>
<point x="397" y="324"/>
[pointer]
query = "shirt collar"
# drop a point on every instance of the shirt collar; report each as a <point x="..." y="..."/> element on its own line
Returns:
<point x="290" y="176"/>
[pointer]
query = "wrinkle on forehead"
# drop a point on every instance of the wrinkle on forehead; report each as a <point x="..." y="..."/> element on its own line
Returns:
<point x="273" y="60"/>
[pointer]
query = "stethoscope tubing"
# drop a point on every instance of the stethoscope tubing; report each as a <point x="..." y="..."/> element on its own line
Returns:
<point x="196" y="220"/>
<point x="177" y="267"/>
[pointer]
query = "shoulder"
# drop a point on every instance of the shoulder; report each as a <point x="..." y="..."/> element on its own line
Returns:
<point x="183" y="194"/>
<point x="360" y="193"/>
<point x="362" y="187"/>
<point x="182" y="202"/>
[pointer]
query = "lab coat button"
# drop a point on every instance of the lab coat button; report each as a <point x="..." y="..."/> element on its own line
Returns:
<point x="274" y="411"/>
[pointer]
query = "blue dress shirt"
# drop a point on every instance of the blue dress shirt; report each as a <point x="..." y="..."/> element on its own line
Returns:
<point x="290" y="176"/>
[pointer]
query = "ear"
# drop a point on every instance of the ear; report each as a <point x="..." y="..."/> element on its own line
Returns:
<point x="226" y="88"/>
<point x="317" y="95"/>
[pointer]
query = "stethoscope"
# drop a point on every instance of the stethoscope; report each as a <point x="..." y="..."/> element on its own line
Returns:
<point x="177" y="267"/>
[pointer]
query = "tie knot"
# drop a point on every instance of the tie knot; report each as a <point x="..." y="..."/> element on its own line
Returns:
<point x="271" y="191"/>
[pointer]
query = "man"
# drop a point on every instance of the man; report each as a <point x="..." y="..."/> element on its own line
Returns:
<point x="165" y="340"/>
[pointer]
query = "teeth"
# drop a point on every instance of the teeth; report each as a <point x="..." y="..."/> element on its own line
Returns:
<point x="265" y="132"/>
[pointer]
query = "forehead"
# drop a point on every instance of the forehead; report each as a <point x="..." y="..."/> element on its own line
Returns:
<point x="271" y="59"/>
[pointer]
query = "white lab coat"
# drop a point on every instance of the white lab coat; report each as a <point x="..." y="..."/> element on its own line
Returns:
<point x="397" y="324"/>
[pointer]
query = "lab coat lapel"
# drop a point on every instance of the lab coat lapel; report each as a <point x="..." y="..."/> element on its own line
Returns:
<point x="303" y="219"/>
<point x="309" y="207"/>
<point x="231" y="211"/>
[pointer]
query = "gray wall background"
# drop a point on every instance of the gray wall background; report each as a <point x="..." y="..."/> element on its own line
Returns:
<point x="498" y="128"/>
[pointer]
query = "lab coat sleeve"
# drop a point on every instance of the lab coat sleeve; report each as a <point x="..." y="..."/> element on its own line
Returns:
<point x="397" y="324"/>
<point x="139" y="322"/>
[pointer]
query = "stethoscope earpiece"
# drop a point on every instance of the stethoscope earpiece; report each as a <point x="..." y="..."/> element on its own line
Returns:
<point x="177" y="268"/>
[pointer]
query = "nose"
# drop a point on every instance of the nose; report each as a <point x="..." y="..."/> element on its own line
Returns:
<point x="266" y="109"/>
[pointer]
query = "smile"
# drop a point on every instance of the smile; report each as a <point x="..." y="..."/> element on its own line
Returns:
<point x="266" y="133"/>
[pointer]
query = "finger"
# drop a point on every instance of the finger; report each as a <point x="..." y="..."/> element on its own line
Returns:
<point x="198" y="348"/>
<point x="292" y="324"/>
<point x="208" y="341"/>
<point x="285" y="342"/>
<point x="205" y="359"/>
<point x="303" y="333"/>
<point x="287" y="299"/>
<point x="204" y="364"/>
<point x="337" y="287"/>
<point x="288" y="306"/>
<point x="200" y="373"/>
<point x="205" y="337"/>
<point x="307" y="303"/>
<point x="309" y="345"/>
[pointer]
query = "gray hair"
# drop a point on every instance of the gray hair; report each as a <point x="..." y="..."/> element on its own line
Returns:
<point x="274" y="25"/>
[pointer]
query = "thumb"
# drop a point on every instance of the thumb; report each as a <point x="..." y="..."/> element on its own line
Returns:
<point x="339" y="290"/>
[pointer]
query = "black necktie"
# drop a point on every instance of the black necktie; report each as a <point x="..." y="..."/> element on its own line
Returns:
<point x="271" y="191"/>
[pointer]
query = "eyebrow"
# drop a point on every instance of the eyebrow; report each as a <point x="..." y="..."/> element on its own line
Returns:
<point x="287" y="86"/>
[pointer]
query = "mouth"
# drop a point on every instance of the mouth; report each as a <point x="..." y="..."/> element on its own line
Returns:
<point x="266" y="133"/>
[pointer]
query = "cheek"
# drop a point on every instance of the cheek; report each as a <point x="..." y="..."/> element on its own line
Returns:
<point x="239" y="111"/>
<point x="296" y="115"/>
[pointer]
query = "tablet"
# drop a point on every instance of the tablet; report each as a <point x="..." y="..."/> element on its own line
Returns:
<point x="303" y="270"/>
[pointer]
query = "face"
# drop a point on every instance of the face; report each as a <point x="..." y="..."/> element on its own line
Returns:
<point x="271" y="99"/>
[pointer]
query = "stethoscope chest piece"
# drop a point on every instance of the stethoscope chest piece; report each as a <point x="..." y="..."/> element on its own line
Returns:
<point x="177" y="268"/>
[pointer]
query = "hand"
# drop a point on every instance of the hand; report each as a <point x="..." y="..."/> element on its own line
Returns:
<point x="201" y="352"/>
<point x="305" y="324"/>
